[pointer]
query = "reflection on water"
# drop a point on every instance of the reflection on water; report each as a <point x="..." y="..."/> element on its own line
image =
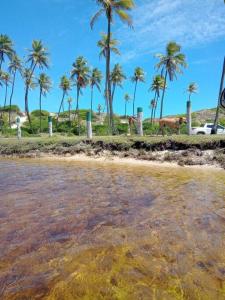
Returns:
<point x="90" y="231"/>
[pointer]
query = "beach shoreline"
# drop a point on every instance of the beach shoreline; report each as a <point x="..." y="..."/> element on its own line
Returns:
<point x="109" y="160"/>
<point x="162" y="151"/>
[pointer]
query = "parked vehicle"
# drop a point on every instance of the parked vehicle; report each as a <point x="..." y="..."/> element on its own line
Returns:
<point x="206" y="129"/>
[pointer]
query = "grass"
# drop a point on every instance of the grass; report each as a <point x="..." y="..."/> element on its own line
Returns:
<point x="173" y="142"/>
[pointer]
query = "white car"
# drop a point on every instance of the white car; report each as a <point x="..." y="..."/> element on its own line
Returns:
<point x="206" y="129"/>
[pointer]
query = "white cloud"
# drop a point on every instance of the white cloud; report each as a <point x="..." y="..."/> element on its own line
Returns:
<point x="189" y="22"/>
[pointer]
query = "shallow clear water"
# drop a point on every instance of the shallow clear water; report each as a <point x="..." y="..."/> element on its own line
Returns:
<point x="94" y="231"/>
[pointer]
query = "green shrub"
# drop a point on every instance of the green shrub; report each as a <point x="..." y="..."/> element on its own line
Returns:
<point x="82" y="114"/>
<point x="75" y="130"/>
<point x="13" y="108"/>
<point x="150" y="129"/>
<point x="63" y="127"/>
<point x="36" y="113"/>
<point x="115" y="118"/>
<point x="122" y="128"/>
<point x="35" y="122"/>
<point x="100" y="130"/>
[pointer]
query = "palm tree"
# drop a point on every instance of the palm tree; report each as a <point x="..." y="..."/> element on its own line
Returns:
<point x="126" y="99"/>
<point x="69" y="100"/>
<point x="110" y="8"/>
<point x="192" y="89"/>
<point x="5" y="78"/>
<point x="157" y="85"/>
<point x="99" y="108"/>
<point x="14" y="66"/>
<point x="152" y="107"/>
<point x="80" y="72"/>
<point x="65" y="85"/>
<point x="138" y="76"/>
<point x="117" y="78"/>
<point x="103" y="45"/>
<point x="95" y="80"/>
<point x="45" y="84"/>
<point x="6" y="48"/>
<point x="38" y="57"/>
<point x="170" y="63"/>
<point x="29" y="82"/>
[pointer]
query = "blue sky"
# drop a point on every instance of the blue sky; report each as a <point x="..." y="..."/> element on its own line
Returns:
<point x="63" y="26"/>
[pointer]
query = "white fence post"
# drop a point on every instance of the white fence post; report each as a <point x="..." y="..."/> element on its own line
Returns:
<point x="50" y="126"/>
<point x="140" y="120"/>
<point x="18" y="128"/>
<point x="189" y="117"/>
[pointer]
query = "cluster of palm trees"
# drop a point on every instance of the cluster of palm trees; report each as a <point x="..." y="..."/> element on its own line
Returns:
<point x="36" y="58"/>
<point x="169" y="65"/>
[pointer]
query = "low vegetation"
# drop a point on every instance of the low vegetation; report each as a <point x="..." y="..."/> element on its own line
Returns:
<point x="185" y="150"/>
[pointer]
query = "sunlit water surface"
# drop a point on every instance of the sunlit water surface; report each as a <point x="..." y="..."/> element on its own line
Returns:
<point x="94" y="231"/>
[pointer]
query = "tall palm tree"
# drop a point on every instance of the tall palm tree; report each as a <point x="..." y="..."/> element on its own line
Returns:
<point x="138" y="76"/>
<point x="192" y="89"/>
<point x="38" y="57"/>
<point x="45" y="84"/>
<point x="29" y="82"/>
<point x="5" y="78"/>
<point x="156" y="86"/>
<point x="103" y="45"/>
<point x="69" y="100"/>
<point x="152" y="107"/>
<point x="14" y="66"/>
<point x="127" y="99"/>
<point x="80" y="72"/>
<point x="95" y="80"/>
<point x="6" y="48"/>
<point x="117" y="78"/>
<point x="170" y="64"/>
<point x="111" y="8"/>
<point x="99" y="108"/>
<point x="65" y="85"/>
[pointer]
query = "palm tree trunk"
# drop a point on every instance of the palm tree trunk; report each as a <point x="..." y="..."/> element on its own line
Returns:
<point x="189" y="114"/>
<point x="92" y="88"/>
<point x="113" y="91"/>
<point x="153" y="108"/>
<point x="135" y="89"/>
<point x="26" y="96"/>
<point x="70" y="115"/>
<point x="57" y="120"/>
<point x="157" y="99"/>
<point x="6" y="94"/>
<point x="77" y="109"/>
<point x="11" y="96"/>
<point x="40" y="107"/>
<point x="109" y="95"/>
<point x="125" y="109"/>
<point x="106" y="97"/>
<point x="163" y="94"/>
<point x="1" y="61"/>
<point x="26" y="107"/>
<point x="152" y="114"/>
<point x="214" y="130"/>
